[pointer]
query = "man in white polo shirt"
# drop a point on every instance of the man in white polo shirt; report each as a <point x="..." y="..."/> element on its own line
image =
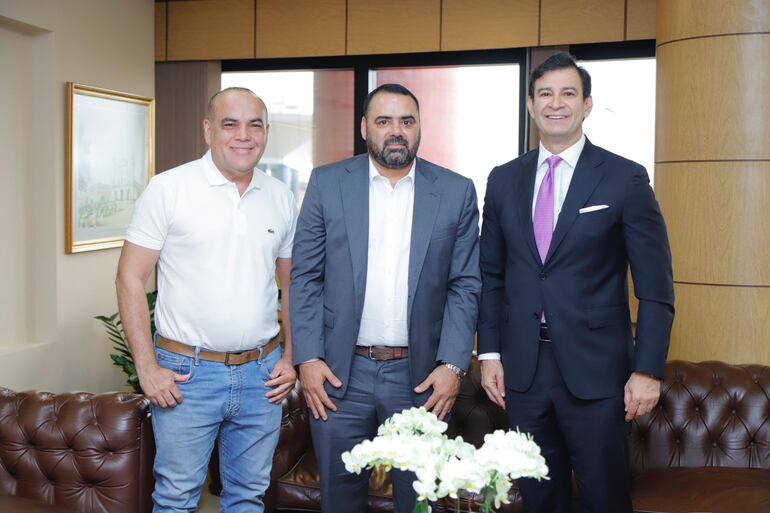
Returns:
<point x="218" y="232"/>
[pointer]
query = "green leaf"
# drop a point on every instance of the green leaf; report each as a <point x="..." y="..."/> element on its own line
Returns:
<point x="113" y="325"/>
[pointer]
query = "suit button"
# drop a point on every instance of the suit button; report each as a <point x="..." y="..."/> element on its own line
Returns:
<point x="543" y="276"/>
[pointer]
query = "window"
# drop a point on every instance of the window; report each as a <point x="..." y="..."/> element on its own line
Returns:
<point x="309" y="114"/>
<point x="469" y="115"/>
<point x="472" y="112"/>
<point x="623" y="90"/>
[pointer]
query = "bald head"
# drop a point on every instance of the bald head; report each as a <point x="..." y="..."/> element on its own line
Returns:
<point x="216" y="97"/>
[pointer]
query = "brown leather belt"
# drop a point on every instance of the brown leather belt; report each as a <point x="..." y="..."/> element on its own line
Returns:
<point x="382" y="352"/>
<point x="227" y="358"/>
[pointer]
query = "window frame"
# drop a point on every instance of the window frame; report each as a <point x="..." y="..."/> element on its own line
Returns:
<point x="361" y="65"/>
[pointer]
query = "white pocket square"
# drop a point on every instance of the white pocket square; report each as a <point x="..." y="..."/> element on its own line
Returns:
<point x="594" y="208"/>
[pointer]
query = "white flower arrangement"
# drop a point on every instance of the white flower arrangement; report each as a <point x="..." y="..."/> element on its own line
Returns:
<point x="414" y="440"/>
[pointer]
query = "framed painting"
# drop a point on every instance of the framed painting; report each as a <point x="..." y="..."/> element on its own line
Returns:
<point x="110" y="159"/>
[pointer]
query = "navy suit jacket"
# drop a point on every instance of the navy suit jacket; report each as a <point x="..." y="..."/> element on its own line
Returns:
<point x="582" y="286"/>
<point x="329" y="268"/>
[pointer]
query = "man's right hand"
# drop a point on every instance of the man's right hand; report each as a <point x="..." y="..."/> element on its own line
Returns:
<point x="492" y="381"/>
<point x="159" y="386"/>
<point x="312" y="376"/>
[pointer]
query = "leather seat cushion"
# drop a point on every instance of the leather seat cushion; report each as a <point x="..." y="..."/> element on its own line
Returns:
<point x="712" y="490"/>
<point x="300" y="488"/>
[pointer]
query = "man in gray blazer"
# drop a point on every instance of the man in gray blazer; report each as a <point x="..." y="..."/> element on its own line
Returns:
<point x="384" y="292"/>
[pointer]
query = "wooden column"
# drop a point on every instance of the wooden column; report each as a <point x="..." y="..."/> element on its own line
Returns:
<point x="712" y="173"/>
<point x="182" y="92"/>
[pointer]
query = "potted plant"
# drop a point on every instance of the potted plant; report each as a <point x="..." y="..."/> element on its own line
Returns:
<point x="117" y="336"/>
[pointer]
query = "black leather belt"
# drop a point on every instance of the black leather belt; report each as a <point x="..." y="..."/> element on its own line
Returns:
<point x="545" y="336"/>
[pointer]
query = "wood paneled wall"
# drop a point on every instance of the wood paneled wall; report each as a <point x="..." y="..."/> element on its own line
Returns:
<point x="242" y="29"/>
<point x="712" y="174"/>
<point x="182" y="91"/>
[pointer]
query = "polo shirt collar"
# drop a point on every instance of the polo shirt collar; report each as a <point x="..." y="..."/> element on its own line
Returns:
<point x="216" y="178"/>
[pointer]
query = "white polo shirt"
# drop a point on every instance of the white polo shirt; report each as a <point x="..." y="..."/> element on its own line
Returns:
<point x="216" y="272"/>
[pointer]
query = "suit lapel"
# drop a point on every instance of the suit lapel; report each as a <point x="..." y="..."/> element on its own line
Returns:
<point x="586" y="177"/>
<point x="354" y="190"/>
<point x="426" y="203"/>
<point x="524" y="195"/>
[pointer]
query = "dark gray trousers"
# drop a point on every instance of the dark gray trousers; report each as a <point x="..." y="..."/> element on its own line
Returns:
<point x="376" y="391"/>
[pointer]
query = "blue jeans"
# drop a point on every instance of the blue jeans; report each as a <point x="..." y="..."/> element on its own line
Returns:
<point x="218" y="401"/>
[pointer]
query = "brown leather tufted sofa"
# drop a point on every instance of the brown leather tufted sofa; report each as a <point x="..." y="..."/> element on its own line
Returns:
<point x="75" y="453"/>
<point x="706" y="448"/>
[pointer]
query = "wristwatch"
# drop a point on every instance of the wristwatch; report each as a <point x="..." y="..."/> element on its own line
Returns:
<point x="457" y="371"/>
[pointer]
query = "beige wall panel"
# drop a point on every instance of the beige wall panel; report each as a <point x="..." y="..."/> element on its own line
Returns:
<point x="717" y="215"/>
<point x="721" y="323"/>
<point x="489" y="24"/>
<point x="300" y="28"/>
<point x="679" y="19"/>
<point x="160" y="32"/>
<point x="109" y="43"/>
<point x="581" y="21"/>
<point x="708" y="112"/>
<point x="640" y="19"/>
<point x="210" y="29"/>
<point x="398" y="26"/>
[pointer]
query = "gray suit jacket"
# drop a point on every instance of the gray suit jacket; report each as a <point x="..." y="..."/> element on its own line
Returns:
<point x="329" y="263"/>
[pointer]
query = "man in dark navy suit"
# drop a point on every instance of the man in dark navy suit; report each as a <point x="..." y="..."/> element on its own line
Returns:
<point x="561" y="226"/>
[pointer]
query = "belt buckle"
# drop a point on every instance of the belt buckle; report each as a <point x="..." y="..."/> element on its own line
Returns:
<point x="371" y="356"/>
<point x="228" y="354"/>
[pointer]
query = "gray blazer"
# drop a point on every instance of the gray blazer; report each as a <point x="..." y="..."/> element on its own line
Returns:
<point x="329" y="260"/>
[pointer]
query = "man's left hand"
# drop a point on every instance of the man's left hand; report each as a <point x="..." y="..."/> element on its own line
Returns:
<point x="641" y="395"/>
<point x="283" y="379"/>
<point x="445" y="385"/>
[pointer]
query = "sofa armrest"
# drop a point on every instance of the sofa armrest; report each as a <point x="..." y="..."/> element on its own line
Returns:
<point x="295" y="439"/>
<point x="87" y="452"/>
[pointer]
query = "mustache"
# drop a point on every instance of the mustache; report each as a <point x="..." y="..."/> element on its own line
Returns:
<point x="397" y="139"/>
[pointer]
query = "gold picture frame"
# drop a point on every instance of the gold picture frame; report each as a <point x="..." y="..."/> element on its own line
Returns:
<point x="110" y="160"/>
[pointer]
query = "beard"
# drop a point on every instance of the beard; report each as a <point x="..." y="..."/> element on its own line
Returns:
<point x="393" y="158"/>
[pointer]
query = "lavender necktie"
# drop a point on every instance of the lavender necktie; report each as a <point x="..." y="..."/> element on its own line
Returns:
<point x="543" y="218"/>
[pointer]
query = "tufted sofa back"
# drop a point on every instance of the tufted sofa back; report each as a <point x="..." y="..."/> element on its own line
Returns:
<point x="84" y="452"/>
<point x="710" y="414"/>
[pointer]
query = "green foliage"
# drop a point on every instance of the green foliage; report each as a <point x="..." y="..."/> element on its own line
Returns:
<point x="117" y="336"/>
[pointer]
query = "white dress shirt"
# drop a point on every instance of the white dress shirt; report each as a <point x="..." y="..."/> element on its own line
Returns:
<point x="383" y="320"/>
<point x="561" y="180"/>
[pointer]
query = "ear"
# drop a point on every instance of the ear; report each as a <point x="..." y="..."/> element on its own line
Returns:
<point x="531" y="107"/>
<point x="588" y="104"/>
<point x="207" y="131"/>
<point x="363" y="127"/>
